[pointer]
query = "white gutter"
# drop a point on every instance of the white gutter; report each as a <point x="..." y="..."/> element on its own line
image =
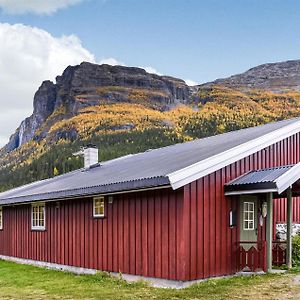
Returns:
<point x="288" y="178"/>
<point x="207" y="166"/>
<point x="248" y="192"/>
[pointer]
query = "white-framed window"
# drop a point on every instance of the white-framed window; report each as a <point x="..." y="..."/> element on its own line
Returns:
<point x="98" y="207"/>
<point x="38" y="219"/>
<point x="1" y="218"/>
<point x="249" y="217"/>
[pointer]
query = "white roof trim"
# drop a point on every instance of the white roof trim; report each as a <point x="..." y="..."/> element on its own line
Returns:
<point x="207" y="166"/>
<point x="246" y="192"/>
<point x="288" y="178"/>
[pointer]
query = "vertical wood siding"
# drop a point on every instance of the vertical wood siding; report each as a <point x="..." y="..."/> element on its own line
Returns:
<point x="210" y="242"/>
<point x="141" y="234"/>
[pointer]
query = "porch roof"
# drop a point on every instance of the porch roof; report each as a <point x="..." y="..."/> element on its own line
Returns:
<point x="276" y="179"/>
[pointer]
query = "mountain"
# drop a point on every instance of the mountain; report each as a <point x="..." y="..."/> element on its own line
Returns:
<point x="127" y="110"/>
<point x="276" y="77"/>
<point x="90" y="84"/>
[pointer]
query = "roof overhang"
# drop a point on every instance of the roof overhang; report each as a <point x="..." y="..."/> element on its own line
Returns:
<point x="109" y="189"/>
<point x="278" y="184"/>
<point x="288" y="178"/>
<point x="207" y="166"/>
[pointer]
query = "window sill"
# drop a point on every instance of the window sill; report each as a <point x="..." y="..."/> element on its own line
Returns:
<point x="38" y="229"/>
<point x="99" y="217"/>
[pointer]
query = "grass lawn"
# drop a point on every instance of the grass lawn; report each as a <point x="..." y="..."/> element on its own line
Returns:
<point x="27" y="282"/>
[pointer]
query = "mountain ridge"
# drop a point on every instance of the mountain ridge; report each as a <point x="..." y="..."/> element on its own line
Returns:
<point x="275" y="77"/>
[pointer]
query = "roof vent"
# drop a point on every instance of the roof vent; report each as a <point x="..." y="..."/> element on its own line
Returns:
<point x="90" y="155"/>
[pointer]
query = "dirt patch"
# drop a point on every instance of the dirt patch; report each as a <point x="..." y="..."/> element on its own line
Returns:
<point x="282" y="287"/>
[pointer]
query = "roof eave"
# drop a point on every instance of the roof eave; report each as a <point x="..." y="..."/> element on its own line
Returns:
<point x="249" y="192"/>
<point x="124" y="187"/>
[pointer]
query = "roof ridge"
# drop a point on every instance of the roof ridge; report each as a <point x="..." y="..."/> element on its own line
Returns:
<point x="225" y="133"/>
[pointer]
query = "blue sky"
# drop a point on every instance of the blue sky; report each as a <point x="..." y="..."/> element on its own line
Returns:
<point x="194" y="40"/>
<point x="199" y="40"/>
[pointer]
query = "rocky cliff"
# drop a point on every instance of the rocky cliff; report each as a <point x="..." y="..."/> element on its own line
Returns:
<point x="91" y="84"/>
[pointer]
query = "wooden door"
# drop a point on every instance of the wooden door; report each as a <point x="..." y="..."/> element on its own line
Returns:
<point x="248" y="217"/>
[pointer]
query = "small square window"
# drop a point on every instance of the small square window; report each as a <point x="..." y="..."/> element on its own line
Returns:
<point x="38" y="216"/>
<point x="99" y="207"/>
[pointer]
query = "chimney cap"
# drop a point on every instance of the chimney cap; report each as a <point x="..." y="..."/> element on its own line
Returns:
<point x="90" y="145"/>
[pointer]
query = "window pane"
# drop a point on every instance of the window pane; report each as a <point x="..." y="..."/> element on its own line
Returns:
<point x="99" y="207"/>
<point x="251" y="225"/>
<point x="251" y="207"/>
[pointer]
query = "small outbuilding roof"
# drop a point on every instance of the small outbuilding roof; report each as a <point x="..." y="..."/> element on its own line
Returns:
<point x="276" y="179"/>
<point x="174" y="166"/>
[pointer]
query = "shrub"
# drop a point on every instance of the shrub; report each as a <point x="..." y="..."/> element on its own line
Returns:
<point x="296" y="250"/>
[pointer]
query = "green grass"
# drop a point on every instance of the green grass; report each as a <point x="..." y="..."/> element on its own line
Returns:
<point x="28" y="282"/>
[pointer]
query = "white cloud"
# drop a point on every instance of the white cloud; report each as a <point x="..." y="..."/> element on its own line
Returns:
<point x="190" y="82"/>
<point x="111" y="61"/>
<point x="28" y="56"/>
<point x="114" y="62"/>
<point x="151" y="70"/>
<point x="35" y="6"/>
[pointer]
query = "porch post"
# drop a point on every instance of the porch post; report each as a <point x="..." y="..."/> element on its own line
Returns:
<point x="289" y="228"/>
<point x="269" y="230"/>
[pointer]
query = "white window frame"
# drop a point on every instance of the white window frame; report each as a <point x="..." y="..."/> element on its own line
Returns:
<point x="247" y="220"/>
<point x="34" y="226"/>
<point x="97" y="215"/>
<point x="1" y="218"/>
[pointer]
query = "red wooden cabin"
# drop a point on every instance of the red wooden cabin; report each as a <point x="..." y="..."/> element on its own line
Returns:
<point x="184" y="212"/>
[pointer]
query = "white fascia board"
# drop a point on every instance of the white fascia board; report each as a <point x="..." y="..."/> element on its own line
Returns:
<point x="248" y="192"/>
<point x="288" y="178"/>
<point x="207" y="166"/>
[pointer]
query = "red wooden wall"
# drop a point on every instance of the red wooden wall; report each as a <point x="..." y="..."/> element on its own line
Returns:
<point x="279" y="209"/>
<point x="141" y="234"/>
<point x="210" y="244"/>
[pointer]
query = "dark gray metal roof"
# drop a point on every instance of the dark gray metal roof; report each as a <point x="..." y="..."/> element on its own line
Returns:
<point x="142" y="170"/>
<point x="257" y="179"/>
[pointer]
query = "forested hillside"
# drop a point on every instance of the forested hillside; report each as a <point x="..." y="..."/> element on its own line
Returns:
<point x="123" y="120"/>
